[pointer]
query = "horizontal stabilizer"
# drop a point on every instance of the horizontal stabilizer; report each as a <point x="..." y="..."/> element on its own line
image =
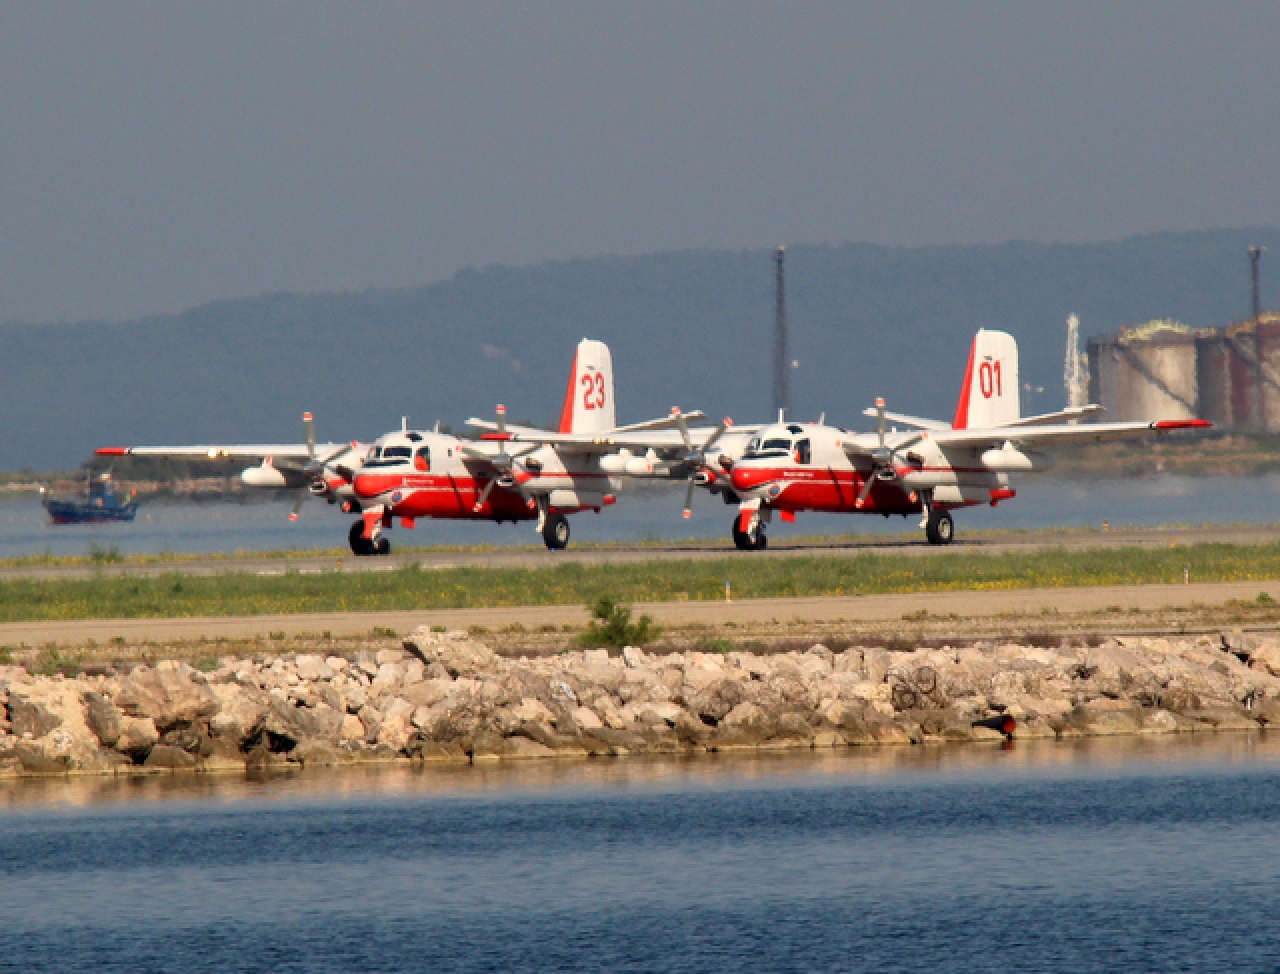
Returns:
<point x="916" y="421"/>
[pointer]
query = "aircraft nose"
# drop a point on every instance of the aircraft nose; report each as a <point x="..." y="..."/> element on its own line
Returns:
<point x="744" y="477"/>
<point x="368" y="485"/>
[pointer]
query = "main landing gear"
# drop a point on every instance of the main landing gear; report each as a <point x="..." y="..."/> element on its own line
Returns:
<point x="360" y="545"/>
<point x="555" y="531"/>
<point x="752" y="539"/>
<point x="938" y="527"/>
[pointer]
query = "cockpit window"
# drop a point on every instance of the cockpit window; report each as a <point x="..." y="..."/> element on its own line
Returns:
<point x="388" y="456"/>
<point x="773" y="447"/>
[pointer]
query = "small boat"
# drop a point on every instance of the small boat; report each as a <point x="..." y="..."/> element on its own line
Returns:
<point x="97" y="504"/>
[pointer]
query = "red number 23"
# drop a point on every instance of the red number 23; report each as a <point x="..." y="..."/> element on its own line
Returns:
<point x="593" y="391"/>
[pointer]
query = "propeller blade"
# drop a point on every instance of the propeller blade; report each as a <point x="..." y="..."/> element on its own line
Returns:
<point x="711" y="441"/>
<point x="309" y="425"/>
<point x="683" y="427"/>
<point x="866" y="489"/>
<point x="502" y="418"/>
<point x="293" y="515"/>
<point x="688" y="499"/>
<point x="484" y="495"/>
<point x="880" y="420"/>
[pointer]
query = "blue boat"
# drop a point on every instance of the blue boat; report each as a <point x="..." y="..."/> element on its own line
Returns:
<point x="99" y="503"/>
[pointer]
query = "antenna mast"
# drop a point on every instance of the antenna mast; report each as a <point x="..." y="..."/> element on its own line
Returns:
<point x="781" y="379"/>
<point x="1254" y="254"/>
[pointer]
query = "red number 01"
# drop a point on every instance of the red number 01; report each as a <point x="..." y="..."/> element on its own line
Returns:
<point x="593" y="391"/>
<point x="989" y="379"/>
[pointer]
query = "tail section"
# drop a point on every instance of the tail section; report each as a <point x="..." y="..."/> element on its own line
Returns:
<point x="588" y="401"/>
<point x="989" y="396"/>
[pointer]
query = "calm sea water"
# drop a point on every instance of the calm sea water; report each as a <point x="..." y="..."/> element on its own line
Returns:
<point x="648" y="515"/>
<point x="1056" y="858"/>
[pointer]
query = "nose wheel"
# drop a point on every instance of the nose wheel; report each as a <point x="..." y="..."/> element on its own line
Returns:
<point x="753" y="539"/>
<point x="360" y="545"/>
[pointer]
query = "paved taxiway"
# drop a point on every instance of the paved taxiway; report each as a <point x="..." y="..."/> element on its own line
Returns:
<point x="538" y="557"/>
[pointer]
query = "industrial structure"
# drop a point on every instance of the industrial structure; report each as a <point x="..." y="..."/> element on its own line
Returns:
<point x="1229" y="375"/>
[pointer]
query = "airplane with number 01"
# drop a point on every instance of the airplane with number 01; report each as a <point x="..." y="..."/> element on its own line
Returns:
<point x="930" y="469"/>
<point x="520" y="473"/>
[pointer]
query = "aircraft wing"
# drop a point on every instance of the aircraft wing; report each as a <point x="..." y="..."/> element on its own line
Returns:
<point x="658" y="434"/>
<point x="282" y="454"/>
<point x="1062" y="434"/>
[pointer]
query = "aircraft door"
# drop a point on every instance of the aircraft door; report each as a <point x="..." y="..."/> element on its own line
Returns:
<point x="803" y="452"/>
<point x="422" y="459"/>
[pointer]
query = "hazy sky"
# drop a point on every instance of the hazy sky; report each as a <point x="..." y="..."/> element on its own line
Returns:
<point x="157" y="155"/>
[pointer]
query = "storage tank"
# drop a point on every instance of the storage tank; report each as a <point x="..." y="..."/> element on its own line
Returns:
<point x="1147" y="373"/>
<point x="1267" y="344"/>
<point x="1241" y="342"/>
<point x="1213" y="376"/>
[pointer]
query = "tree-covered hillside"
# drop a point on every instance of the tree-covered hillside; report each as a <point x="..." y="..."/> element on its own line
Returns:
<point x="691" y="328"/>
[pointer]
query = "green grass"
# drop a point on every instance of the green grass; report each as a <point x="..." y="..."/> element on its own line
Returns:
<point x="234" y="593"/>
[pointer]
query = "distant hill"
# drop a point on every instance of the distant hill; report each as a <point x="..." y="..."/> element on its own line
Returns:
<point x="690" y="328"/>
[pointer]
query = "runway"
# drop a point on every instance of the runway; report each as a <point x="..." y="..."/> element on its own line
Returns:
<point x="538" y="557"/>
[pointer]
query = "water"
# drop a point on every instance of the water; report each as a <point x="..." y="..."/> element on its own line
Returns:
<point x="646" y="515"/>
<point x="1115" y="857"/>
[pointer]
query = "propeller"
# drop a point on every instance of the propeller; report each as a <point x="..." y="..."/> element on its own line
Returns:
<point x="883" y="457"/>
<point x="504" y="463"/>
<point x="695" y="456"/>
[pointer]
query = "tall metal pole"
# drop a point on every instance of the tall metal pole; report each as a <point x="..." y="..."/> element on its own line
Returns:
<point x="781" y="381"/>
<point x="1255" y="253"/>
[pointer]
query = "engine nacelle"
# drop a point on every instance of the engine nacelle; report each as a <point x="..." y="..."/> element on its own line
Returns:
<point x="264" y="476"/>
<point x="1009" y="459"/>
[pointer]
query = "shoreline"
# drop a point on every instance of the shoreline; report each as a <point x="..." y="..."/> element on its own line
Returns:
<point x="403" y="778"/>
<point x="445" y="699"/>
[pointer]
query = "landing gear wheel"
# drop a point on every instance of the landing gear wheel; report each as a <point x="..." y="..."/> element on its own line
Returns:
<point x="360" y="545"/>
<point x="940" y="529"/>
<point x="555" y="533"/>
<point x="753" y="540"/>
<point x="381" y="545"/>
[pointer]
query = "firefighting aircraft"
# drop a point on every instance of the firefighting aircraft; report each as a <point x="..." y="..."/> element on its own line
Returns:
<point x="411" y="474"/>
<point x="321" y="469"/>
<point x="519" y="473"/>
<point x="932" y="469"/>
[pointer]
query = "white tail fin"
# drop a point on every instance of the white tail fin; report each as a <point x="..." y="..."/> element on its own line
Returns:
<point x="588" y="401"/>
<point x="989" y="396"/>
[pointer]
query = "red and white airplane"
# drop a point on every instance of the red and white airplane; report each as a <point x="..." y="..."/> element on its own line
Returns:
<point x="931" y="469"/>
<point x="515" y="473"/>
<point x="322" y="469"/>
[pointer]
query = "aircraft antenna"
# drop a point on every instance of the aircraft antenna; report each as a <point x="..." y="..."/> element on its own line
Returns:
<point x="1255" y="254"/>
<point x="781" y="378"/>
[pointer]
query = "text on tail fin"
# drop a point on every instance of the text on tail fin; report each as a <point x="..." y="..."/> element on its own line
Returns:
<point x="989" y="395"/>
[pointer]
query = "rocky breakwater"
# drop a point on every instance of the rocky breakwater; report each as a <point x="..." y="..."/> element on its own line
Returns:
<point x="448" y="698"/>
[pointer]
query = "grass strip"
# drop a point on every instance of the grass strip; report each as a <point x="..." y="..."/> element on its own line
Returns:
<point x="239" y="593"/>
